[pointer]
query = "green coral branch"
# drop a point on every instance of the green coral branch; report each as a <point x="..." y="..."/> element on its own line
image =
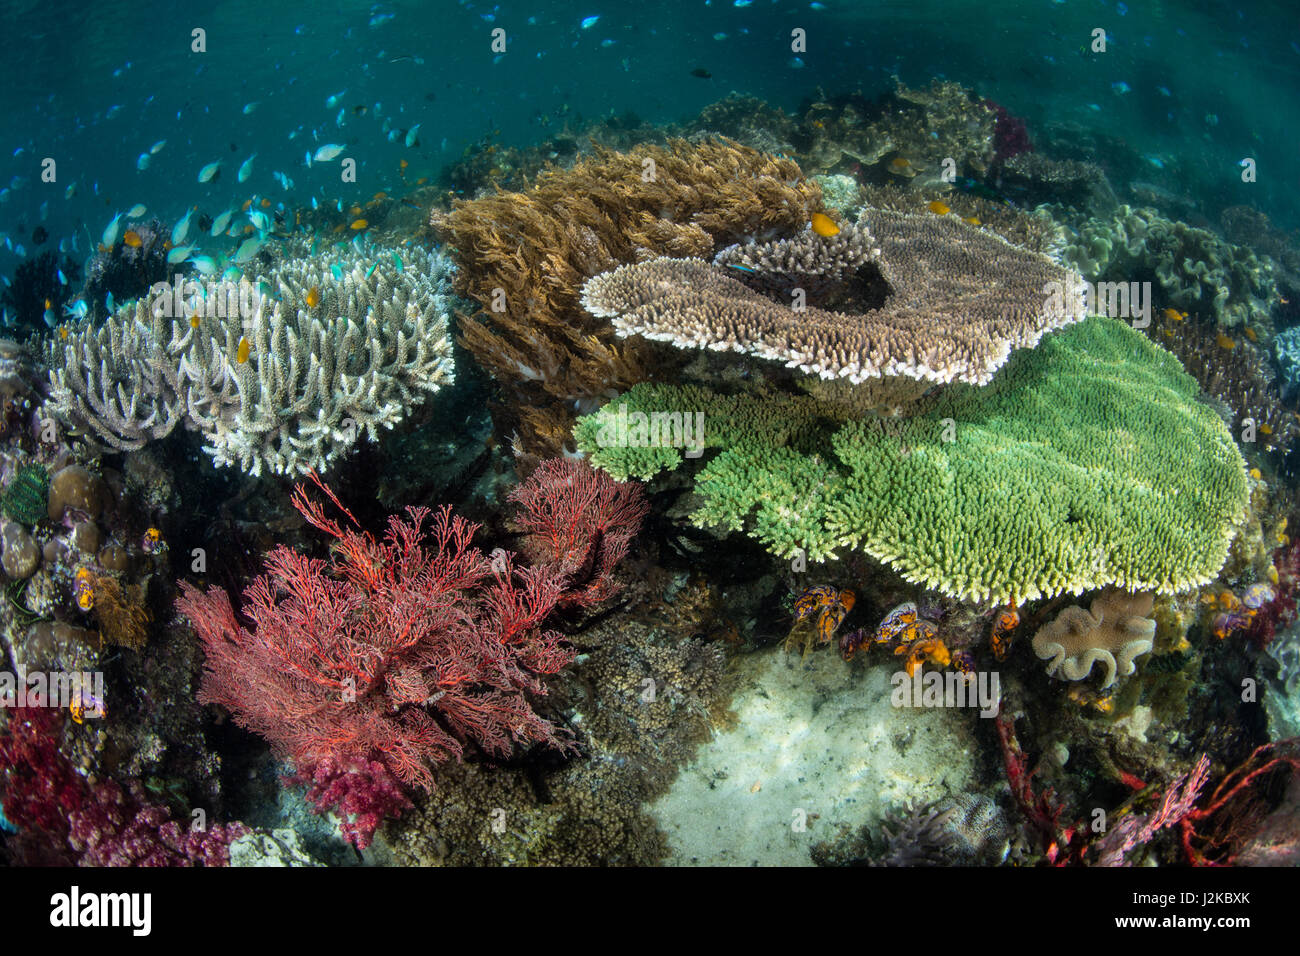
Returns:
<point x="1088" y="461"/>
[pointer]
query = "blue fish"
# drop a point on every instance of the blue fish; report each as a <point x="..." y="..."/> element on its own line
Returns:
<point x="589" y="22"/>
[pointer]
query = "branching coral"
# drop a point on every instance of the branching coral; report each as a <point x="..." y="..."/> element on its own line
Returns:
<point x="1087" y="462"/>
<point x="524" y="256"/>
<point x="1114" y="632"/>
<point x="284" y="372"/>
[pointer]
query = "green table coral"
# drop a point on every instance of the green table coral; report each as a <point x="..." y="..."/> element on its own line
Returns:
<point x="1088" y="461"/>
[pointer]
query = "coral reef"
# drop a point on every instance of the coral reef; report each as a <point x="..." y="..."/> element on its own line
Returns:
<point x="579" y="523"/>
<point x="964" y="829"/>
<point x="65" y="818"/>
<point x="1195" y="269"/>
<point x="960" y="300"/>
<point x="910" y="134"/>
<point x="415" y="652"/>
<point x="1235" y="373"/>
<point x="523" y="257"/>
<point x="1115" y="631"/>
<point x="1286" y="346"/>
<point x="129" y="269"/>
<point x="1010" y="136"/>
<point x="35" y="288"/>
<point x="1036" y="484"/>
<point x="283" y="372"/>
<point x="1137" y="830"/>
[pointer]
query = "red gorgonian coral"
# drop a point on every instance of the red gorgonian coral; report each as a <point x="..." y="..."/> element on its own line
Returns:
<point x="398" y="655"/>
<point x="580" y="522"/>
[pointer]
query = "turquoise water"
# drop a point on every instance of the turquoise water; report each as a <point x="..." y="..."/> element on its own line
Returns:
<point x="95" y="86"/>
<point x="213" y="110"/>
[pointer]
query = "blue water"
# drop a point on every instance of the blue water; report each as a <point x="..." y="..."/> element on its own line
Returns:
<point x="1193" y="87"/>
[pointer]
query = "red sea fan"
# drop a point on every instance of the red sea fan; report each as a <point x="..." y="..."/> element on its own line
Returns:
<point x="385" y="662"/>
<point x="580" y="522"/>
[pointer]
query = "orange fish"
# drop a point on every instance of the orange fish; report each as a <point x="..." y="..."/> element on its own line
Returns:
<point x="422" y="180"/>
<point x="403" y="164"/>
<point x="381" y="195"/>
<point x="359" y="224"/>
<point x="241" y="356"/>
<point x="1173" y="315"/>
<point x="898" y="162"/>
<point x="194" y="321"/>
<point x="266" y="204"/>
<point x="247" y="203"/>
<point x="354" y="211"/>
<point x="1265" y="428"/>
<point x="1225" y="342"/>
<point x="313" y="297"/>
<point x="973" y="220"/>
<point x="1250" y="334"/>
<point x="132" y="238"/>
<point x="824" y="225"/>
<point x="938" y="208"/>
<point x="63" y="332"/>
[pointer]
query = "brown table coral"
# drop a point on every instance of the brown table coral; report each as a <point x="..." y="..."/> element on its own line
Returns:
<point x="958" y="301"/>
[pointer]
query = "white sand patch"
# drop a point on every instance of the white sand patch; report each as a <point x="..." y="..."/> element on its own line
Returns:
<point x="819" y="742"/>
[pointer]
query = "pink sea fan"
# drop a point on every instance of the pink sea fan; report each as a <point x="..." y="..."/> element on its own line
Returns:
<point x="580" y="522"/>
<point x="393" y="658"/>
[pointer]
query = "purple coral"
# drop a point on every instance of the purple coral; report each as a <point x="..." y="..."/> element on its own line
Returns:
<point x="1010" y="136"/>
<point x="66" y="818"/>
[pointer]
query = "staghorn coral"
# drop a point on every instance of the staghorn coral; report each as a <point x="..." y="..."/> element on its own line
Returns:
<point x="1115" y="631"/>
<point x="524" y="255"/>
<point x="274" y="382"/>
<point x="1087" y="462"/>
<point x="960" y="300"/>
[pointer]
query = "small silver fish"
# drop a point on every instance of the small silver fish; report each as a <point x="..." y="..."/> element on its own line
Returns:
<point x="209" y="172"/>
<point x="110" y="231"/>
<point x="328" y="152"/>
